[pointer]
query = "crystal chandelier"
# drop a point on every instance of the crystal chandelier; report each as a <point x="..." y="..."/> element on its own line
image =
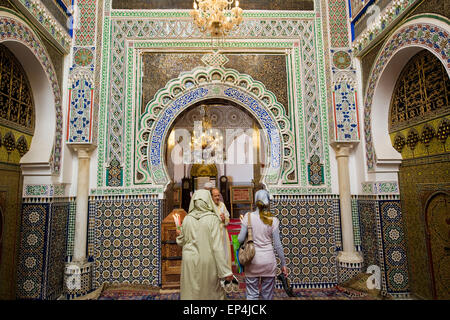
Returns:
<point x="216" y="18"/>
<point x="206" y="140"/>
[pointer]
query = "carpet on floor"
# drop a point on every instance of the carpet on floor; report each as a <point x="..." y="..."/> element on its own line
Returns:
<point x="142" y="292"/>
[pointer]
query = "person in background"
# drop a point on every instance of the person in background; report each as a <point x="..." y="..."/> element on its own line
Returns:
<point x="262" y="269"/>
<point x="203" y="263"/>
<point x="225" y="218"/>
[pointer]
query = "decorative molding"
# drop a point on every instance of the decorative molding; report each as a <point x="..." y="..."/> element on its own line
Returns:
<point x="378" y="188"/>
<point x="161" y="14"/>
<point x="386" y="21"/>
<point x="135" y="191"/>
<point x="47" y="23"/>
<point x="44" y="190"/>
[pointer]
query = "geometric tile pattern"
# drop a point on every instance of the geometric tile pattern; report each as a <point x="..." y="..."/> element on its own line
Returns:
<point x="394" y="247"/>
<point x="307" y="232"/>
<point x="345" y="112"/>
<point x="84" y="57"/>
<point x="341" y="59"/>
<point x="71" y="229"/>
<point x="346" y="273"/>
<point x="311" y="93"/>
<point x="85" y="34"/>
<point x="315" y="171"/>
<point x="369" y="236"/>
<point x="356" y="223"/>
<point x="337" y="10"/>
<point x="56" y="255"/>
<point x="91" y="232"/>
<point x="127" y="242"/>
<point x="114" y="174"/>
<point x="383" y="242"/>
<point x="30" y="277"/>
<point x="42" y="250"/>
<point x="142" y="26"/>
<point x="52" y="26"/>
<point x="81" y="92"/>
<point x="80" y="110"/>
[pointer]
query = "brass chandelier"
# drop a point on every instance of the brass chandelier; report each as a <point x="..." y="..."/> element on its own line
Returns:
<point x="216" y="18"/>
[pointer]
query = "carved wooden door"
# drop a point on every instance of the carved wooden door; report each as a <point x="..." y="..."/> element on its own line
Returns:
<point x="438" y="235"/>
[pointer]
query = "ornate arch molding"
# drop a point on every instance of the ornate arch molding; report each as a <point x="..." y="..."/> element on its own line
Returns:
<point x="427" y="33"/>
<point x="12" y="28"/>
<point x="207" y="83"/>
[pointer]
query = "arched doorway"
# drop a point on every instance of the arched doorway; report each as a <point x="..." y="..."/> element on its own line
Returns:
<point x="419" y="123"/>
<point x="417" y="175"/>
<point x="17" y="118"/>
<point x="205" y="84"/>
<point x="232" y="144"/>
<point x="38" y="152"/>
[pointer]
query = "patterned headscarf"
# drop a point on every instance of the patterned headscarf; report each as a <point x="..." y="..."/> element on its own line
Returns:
<point x="262" y="202"/>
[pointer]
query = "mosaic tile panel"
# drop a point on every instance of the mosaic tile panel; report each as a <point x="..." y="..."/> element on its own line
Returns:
<point x="307" y="230"/>
<point x="356" y="227"/>
<point x="91" y="231"/>
<point x="345" y="112"/>
<point x="71" y="229"/>
<point x="311" y="93"/>
<point x="80" y="111"/>
<point x="56" y="250"/>
<point x="85" y="33"/>
<point x="337" y="10"/>
<point x="394" y="247"/>
<point x="337" y="224"/>
<point x="83" y="57"/>
<point x="33" y="238"/>
<point x="81" y="93"/>
<point x="138" y="25"/>
<point x="42" y="250"/>
<point x="367" y="210"/>
<point x="345" y="274"/>
<point x="53" y="26"/>
<point x="127" y="246"/>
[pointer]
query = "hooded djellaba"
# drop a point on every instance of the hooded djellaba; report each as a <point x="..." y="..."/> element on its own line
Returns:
<point x="203" y="260"/>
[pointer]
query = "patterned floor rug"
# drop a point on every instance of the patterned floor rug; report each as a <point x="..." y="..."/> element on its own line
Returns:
<point x="131" y="292"/>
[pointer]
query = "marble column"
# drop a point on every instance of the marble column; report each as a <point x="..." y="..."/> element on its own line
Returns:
<point x="78" y="271"/>
<point x="349" y="259"/>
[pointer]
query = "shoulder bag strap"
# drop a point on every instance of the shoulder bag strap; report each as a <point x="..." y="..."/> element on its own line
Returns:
<point x="249" y="228"/>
